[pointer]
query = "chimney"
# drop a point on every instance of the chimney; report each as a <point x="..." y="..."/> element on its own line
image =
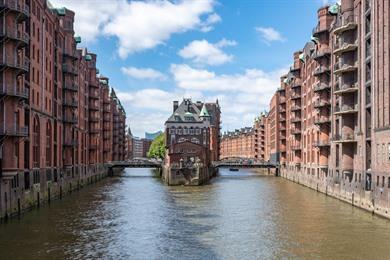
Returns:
<point x="175" y="105"/>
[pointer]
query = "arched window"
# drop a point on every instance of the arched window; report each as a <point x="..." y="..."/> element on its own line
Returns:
<point x="48" y="144"/>
<point x="36" y="143"/>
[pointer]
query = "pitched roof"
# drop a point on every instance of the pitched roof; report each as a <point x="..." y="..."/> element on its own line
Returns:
<point x="187" y="111"/>
<point x="204" y="112"/>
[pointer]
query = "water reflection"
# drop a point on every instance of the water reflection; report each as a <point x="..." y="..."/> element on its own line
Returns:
<point x="240" y="215"/>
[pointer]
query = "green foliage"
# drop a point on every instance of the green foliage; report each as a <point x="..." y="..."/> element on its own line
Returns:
<point x="157" y="148"/>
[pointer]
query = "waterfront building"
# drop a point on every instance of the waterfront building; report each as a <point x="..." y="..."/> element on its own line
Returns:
<point x="51" y="126"/>
<point x="239" y="143"/>
<point x="191" y="142"/>
<point x="332" y="107"/>
<point x="261" y="132"/>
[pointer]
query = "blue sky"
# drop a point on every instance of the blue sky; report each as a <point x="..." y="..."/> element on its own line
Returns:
<point x="155" y="52"/>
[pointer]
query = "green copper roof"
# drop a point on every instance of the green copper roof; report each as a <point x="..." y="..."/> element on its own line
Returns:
<point x="334" y="9"/>
<point x="314" y="39"/>
<point x="204" y="112"/>
<point x="88" y="57"/>
<point x="302" y="57"/>
<point x="77" y="39"/>
<point x="61" y="11"/>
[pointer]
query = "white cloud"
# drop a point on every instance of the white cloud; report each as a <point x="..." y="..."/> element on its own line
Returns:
<point x="207" y="25"/>
<point x="203" y="52"/>
<point x="251" y="81"/>
<point x="143" y="73"/>
<point x="139" y="25"/>
<point x="242" y="96"/>
<point x="269" y="34"/>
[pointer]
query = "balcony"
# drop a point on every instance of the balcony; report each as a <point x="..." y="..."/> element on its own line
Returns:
<point x="94" y="94"/>
<point x="323" y="53"/>
<point x="344" y="24"/>
<point x="70" y="119"/>
<point x="294" y="70"/>
<point x="71" y="103"/>
<point x="296" y="131"/>
<point x="321" y="69"/>
<point x="22" y="65"/>
<point x="296" y="147"/>
<point x="71" y="87"/>
<point x="13" y="130"/>
<point x="321" y="143"/>
<point x="106" y="118"/>
<point x="93" y="84"/>
<point x="72" y="54"/>
<point x="317" y="31"/>
<point x="15" y="6"/>
<point x="344" y="138"/>
<point x="321" y="103"/>
<point x="321" y="86"/>
<point x="70" y="143"/>
<point x="345" y="88"/>
<point x="322" y="120"/>
<point x="12" y="33"/>
<point x="93" y="106"/>
<point x="296" y="84"/>
<point x="296" y="119"/>
<point x="280" y="89"/>
<point x="295" y="108"/>
<point x="69" y="69"/>
<point x="295" y="95"/>
<point x="282" y="100"/>
<point x="94" y="130"/>
<point x="14" y="91"/>
<point x="93" y="119"/>
<point x="342" y="47"/>
<point x="282" y="119"/>
<point x="340" y="67"/>
<point x="345" y="109"/>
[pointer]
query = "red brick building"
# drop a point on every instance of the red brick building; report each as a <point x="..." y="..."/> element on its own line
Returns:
<point x="191" y="138"/>
<point x="332" y="108"/>
<point x="238" y="144"/>
<point x="52" y="135"/>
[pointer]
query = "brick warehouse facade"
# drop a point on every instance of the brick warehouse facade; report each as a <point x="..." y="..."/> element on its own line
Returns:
<point x="248" y="142"/>
<point x="329" y="121"/>
<point x="59" y="125"/>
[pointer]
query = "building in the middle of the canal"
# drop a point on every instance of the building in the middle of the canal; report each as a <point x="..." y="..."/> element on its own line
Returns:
<point x="190" y="140"/>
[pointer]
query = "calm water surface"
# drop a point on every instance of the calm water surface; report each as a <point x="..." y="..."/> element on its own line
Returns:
<point x="239" y="215"/>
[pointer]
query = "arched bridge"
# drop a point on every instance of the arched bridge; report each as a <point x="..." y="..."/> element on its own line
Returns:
<point x="136" y="163"/>
<point x="243" y="163"/>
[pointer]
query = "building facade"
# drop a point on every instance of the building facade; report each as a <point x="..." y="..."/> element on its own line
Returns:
<point x="191" y="138"/>
<point x="51" y="125"/>
<point x="329" y="121"/>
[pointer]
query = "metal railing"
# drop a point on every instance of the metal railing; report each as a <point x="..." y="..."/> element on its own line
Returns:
<point x="14" y="90"/>
<point x="16" y="6"/>
<point x="345" y="108"/>
<point x="13" y="130"/>
<point x="14" y="61"/>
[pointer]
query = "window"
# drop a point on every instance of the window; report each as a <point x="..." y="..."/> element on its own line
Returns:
<point x="36" y="177"/>
<point x="198" y="131"/>
<point x="388" y="182"/>
<point x="27" y="180"/>
<point x="388" y="151"/>
<point x="185" y="131"/>
<point x="195" y="140"/>
<point x="377" y="180"/>
<point x="172" y="131"/>
<point x="383" y="181"/>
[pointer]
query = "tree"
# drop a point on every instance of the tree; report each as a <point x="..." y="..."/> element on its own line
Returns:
<point x="157" y="148"/>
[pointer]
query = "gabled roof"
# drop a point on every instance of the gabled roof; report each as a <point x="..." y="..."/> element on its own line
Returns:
<point x="187" y="111"/>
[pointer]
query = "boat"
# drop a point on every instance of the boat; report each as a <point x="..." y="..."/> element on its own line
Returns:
<point x="233" y="169"/>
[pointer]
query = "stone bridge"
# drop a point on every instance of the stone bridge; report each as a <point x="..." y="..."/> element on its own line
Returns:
<point x="136" y="163"/>
<point x="243" y="163"/>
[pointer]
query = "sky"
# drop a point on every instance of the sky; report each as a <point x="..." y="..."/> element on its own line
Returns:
<point x="157" y="51"/>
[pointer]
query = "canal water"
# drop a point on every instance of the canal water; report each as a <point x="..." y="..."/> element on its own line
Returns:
<point x="239" y="215"/>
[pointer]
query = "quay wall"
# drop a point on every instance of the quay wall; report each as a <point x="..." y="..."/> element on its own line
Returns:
<point x="194" y="176"/>
<point x="60" y="184"/>
<point x="376" y="201"/>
